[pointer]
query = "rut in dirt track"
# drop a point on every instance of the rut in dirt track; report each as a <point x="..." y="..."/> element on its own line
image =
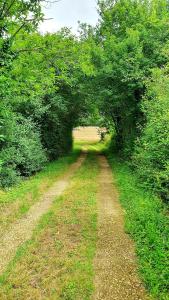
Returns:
<point x="116" y="275"/>
<point x="22" y="229"/>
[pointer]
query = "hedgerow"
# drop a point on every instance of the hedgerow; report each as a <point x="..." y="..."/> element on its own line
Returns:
<point x="151" y="156"/>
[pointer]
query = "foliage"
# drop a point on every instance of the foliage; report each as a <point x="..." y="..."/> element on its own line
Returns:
<point x="21" y="151"/>
<point x="131" y="38"/>
<point x="42" y="97"/>
<point x="151" y="156"/>
<point x="16" y="16"/>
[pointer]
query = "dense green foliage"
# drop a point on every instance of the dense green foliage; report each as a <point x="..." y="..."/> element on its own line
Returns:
<point x="151" y="155"/>
<point x="42" y="92"/>
<point x="22" y="151"/>
<point x="147" y="221"/>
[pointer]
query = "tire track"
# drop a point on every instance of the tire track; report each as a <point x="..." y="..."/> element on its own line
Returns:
<point x="116" y="275"/>
<point x="21" y="231"/>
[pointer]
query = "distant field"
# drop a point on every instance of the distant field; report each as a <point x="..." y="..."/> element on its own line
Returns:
<point x="86" y="134"/>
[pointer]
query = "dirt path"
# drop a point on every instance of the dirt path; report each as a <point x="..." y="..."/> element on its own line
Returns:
<point x="115" y="263"/>
<point x="21" y="230"/>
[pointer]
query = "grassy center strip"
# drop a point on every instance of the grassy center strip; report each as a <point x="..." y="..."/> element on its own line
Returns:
<point x="58" y="262"/>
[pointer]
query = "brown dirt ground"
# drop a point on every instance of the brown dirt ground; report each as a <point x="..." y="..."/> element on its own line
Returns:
<point x="22" y="229"/>
<point x="86" y="134"/>
<point x="116" y="275"/>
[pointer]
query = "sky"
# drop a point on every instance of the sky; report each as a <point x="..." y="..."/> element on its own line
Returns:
<point x="68" y="13"/>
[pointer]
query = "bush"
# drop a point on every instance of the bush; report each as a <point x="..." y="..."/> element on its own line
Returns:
<point x="8" y="177"/>
<point x="151" y="155"/>
<point x="21" y="152"/>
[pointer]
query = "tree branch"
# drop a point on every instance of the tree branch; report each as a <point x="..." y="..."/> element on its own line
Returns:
<point x="8" y="9"/>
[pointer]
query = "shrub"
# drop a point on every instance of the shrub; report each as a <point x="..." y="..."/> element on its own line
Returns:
<point x="8" y="177"/>
<point x="21" y="152"/>
<point x="152" y="151"/>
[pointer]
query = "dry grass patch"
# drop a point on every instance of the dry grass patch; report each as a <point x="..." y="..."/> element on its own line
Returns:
<point x="86" y="134"/>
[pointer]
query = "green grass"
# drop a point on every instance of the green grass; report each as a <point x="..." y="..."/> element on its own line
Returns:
<point x="148" y="223"/>
<point x="58" y="262"/>
<point x="95" y="147"/>
<point x="16" y="202"/>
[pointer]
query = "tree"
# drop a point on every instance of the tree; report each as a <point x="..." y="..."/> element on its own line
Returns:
<point x="131" y="38"/>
